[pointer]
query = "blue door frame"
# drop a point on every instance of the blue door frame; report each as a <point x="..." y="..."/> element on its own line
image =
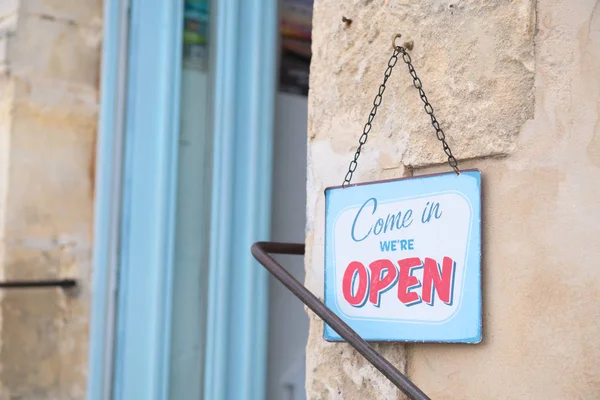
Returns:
<point x="135" y="208"/>
<point x="243" y="127"/>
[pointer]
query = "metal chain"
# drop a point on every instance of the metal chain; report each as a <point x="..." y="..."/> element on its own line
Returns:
<point x="439" y="132"/>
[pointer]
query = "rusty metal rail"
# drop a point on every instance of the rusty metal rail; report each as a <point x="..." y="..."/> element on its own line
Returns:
<point x="262" y="252"/>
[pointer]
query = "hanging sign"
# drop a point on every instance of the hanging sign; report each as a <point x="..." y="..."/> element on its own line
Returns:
<point x="403" y="258"/>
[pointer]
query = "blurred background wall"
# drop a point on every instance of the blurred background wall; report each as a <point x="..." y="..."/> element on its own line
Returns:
<point x="49" y="78"/>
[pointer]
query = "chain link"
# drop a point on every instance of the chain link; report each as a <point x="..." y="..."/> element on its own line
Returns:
<point x="439" y="132"/>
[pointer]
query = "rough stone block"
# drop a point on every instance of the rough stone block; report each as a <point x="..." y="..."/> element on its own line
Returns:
<point x="47" y="145"/>
<point x="50" y="49"/>
<point x="30" y="341"/>
<point x="6" y="112"/>
<point x="470" y="55"/>
<point x="52" y="149"/>
<point x="49" y="61"/>
<point x="3" y="53"/>
<point x="8" y="7"/>
<point x="335" y="371"/>
<point x="84" y="12"/>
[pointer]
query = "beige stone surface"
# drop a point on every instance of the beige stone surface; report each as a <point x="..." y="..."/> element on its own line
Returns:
<point x="472" y="56"/>
<point x="336" y="371"/>
<point x="48" y="114"/>
<point x="64" y="52"/>
<point x="519" y="80"/>
<point x="8" y="8"/>
<point x="77" y="12"/>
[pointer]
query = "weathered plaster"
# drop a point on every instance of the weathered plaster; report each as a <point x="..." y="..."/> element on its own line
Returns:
<point x="541" y="236"/>
<point x="47" y="135"/>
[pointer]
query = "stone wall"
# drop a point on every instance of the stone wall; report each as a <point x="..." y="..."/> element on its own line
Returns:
<point x="516" y="86"/>
<point x="49" y="73"/>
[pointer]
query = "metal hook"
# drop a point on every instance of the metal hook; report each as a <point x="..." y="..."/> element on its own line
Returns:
<point x="408" y="45"/>
<point x="396" y="36"/>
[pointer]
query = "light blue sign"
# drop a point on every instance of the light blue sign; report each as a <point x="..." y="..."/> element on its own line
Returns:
<point x="403" y="258"/>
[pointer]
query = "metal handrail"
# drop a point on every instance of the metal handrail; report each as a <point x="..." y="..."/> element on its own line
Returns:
<point x="262" y="250"/>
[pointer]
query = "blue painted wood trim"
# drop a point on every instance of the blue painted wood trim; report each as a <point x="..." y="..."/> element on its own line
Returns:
<point x="107" y="201"/>
<point x="241" y="203"/>
<point x="145" y="281"/>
